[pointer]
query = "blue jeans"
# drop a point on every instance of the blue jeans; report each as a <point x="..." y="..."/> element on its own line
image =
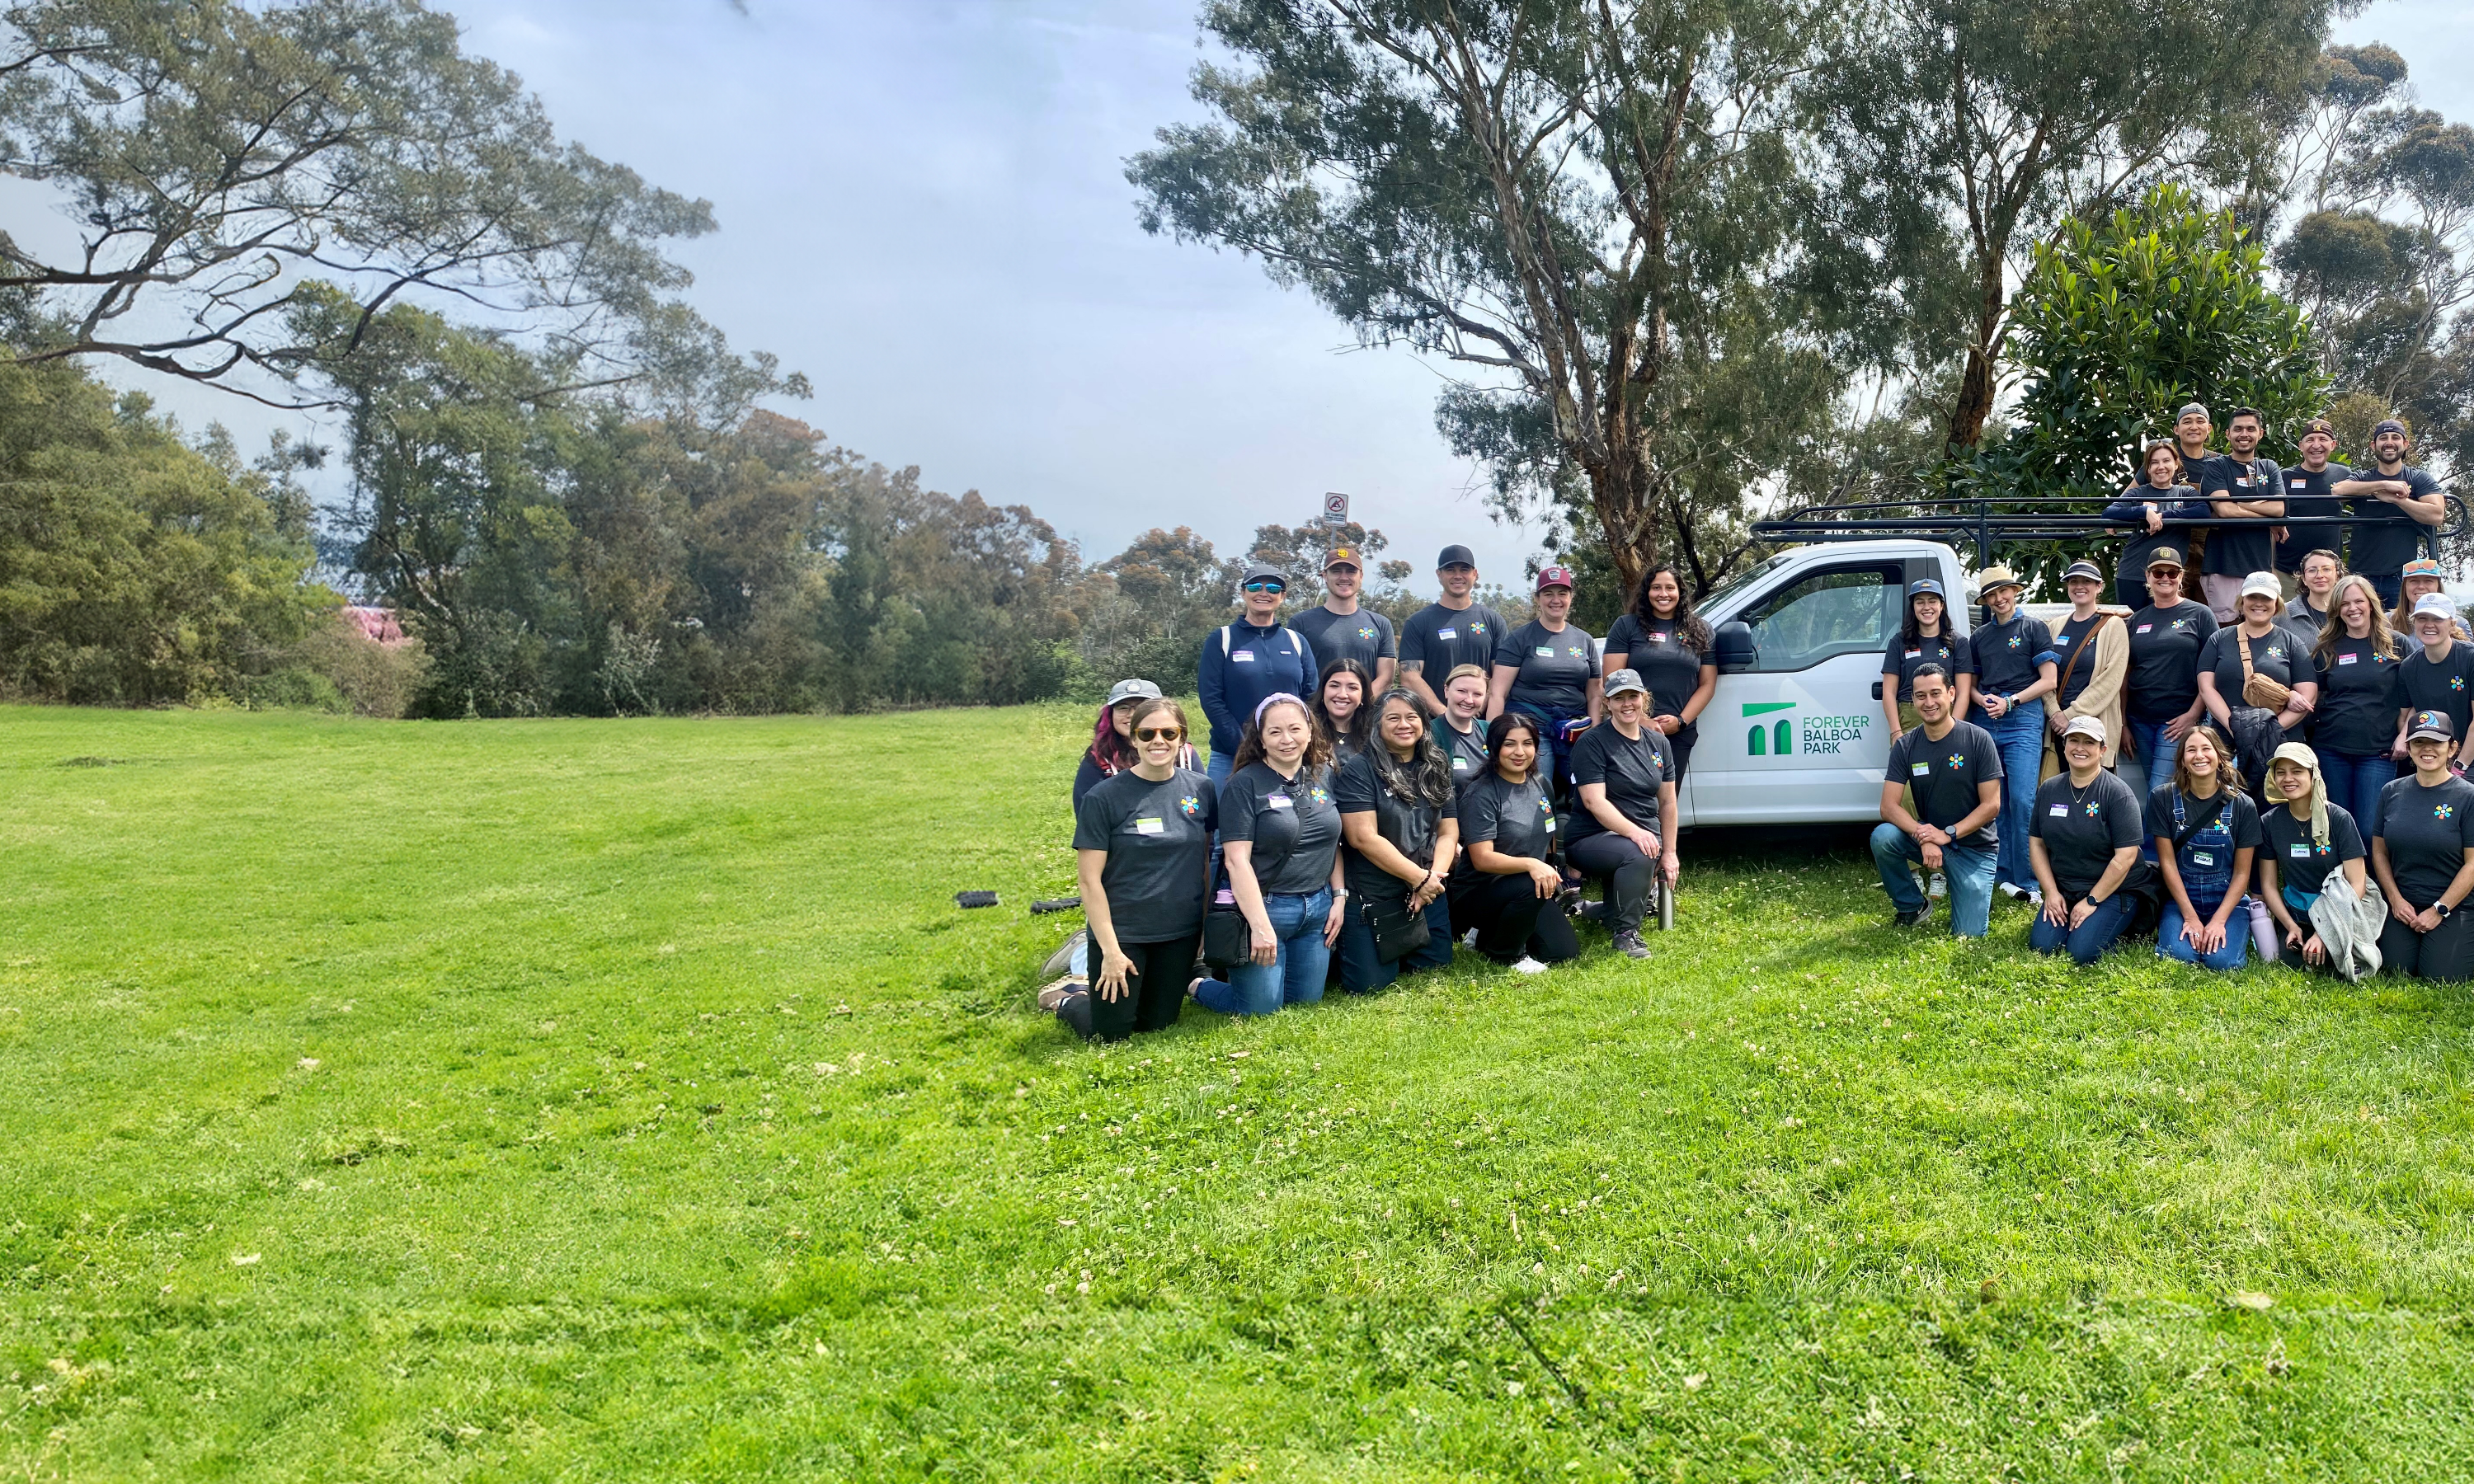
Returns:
<point x="2171" y="944"/>
<point x="1360" y="970"/>
<point x="2354" y="785"/>
<point x="2088" y="941"/>
<point x="1295" y="978"/>
<point x="1968" y="869"/>
<point x="2020" y="735"/>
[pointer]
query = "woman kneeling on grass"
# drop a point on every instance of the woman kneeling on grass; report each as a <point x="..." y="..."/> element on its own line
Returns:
<point x="2082" y="840"/>
<point x="1395" y="814"/>
<point x="2306" y="840"/>
<point x="2422" y="847"/>
<point x="2206" y="830"/>
<point x="1512" y="895"/>
<point x="1142" y="842"/>
<point x="1279" y="834"/>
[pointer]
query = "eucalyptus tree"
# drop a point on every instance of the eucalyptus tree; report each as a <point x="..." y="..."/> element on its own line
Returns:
<point x="1591" y="209"/>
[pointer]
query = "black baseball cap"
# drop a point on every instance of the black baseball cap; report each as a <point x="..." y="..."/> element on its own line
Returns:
<point x="1456" y="556"/>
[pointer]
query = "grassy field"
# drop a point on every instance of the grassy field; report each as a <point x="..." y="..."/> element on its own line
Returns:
<point x="627" y="1100"/>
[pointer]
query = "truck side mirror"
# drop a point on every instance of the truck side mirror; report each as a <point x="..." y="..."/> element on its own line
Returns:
<point x="1736" y="651"/>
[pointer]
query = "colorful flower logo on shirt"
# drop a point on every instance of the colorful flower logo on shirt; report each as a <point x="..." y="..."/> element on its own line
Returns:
<point x="1189" y="807"/>
<point x="2443" y="810"/>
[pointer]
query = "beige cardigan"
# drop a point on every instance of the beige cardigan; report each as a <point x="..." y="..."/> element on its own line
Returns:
<point x="2102" y="697"/>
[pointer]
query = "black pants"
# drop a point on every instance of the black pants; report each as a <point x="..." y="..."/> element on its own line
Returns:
<point x="1154" y="991"/>
<point x="1628" y="873"/>
<point x="2446" y="952"/>
<point x="1511" y="917"/>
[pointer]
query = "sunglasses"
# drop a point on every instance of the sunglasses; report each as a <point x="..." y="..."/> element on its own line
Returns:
<point x="1157" y="734"/>
<point x="1267" y="586"/>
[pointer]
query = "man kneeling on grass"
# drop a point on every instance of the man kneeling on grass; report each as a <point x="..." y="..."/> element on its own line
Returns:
<point x="1955" y="770"/>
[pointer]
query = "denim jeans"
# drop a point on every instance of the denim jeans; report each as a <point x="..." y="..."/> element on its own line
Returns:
<point x="1360" y="970"/>
<point x="1968" y="869"/>
<point x="1294" y="978"/>
<point x="2354" y="785"/>
<point x="2020" y="735"/>
<point x="2171" y="944"/>
<point x="2088" y="941"/>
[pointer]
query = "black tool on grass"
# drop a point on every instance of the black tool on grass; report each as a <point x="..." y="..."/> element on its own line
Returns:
<point x="975" y="899"/>
<point x="1057" y="904"/>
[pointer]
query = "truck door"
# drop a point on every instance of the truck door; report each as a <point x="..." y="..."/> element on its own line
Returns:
<point x="1800" y="737"/>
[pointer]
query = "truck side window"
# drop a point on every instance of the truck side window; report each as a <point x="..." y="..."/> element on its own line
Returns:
<point x="1839" y="611"/>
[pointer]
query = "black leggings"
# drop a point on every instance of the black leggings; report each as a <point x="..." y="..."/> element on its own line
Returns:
<point x="1628" y="873"/>
<point x="2446" y="952"/>
<point x="1154" y="991"/>
<point x="1511" y="917"/>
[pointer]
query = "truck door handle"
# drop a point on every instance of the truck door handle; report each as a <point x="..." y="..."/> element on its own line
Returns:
<point x="1877" y="690"/>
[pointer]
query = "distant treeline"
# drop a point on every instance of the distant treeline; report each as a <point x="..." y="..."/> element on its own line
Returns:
<point x="563" y="556"/>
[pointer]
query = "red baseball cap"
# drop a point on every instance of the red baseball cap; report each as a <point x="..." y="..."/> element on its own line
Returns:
<point x="1554" y="577"/>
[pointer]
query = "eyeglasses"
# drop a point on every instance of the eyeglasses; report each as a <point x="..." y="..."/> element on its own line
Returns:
<point x="1157" y="734"/>
<point x="1267" y="586"/>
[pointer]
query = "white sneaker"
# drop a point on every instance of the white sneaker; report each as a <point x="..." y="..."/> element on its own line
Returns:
<point x="1937" y="887"/>
<point x="1528" y="965"/>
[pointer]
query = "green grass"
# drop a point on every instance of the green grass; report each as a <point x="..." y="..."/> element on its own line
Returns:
<point x="606" y="1100"/>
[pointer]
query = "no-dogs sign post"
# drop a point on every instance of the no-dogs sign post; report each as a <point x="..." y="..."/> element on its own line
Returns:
<point x="1335" y="509"/>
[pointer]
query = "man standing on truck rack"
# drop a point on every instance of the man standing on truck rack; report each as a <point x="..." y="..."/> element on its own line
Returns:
<point x="1449" y="632"/>
<point x="2238" y="484"/>
<point x="1955" y="773"/>
<point x="2390" y="503"/>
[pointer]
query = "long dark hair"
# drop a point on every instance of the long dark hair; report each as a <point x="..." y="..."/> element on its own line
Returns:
<point x="1500" y="729"/>
<point x="1910" y="630"/>
<point x="1688" y="627"/>
<point x="1355" y="732"/>
<point x="1426" y="777"/>
<point x="1250" y="746"/>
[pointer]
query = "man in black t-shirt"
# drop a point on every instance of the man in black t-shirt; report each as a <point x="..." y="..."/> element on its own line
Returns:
<point x="1955" y="770"/>
<point x="2238" y="484"/>
<point x="1339" y="629"/>
<point x="2392" y="503"/>
<point x="1451" y="631"/>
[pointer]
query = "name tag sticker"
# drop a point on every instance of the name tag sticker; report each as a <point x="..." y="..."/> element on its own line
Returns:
<point x="1546" y="651"/>
<point x="1447" y="633"/>
<point x="1920" y="769"/>
<point x="1151" y="825"/>
<point x="1279" y="801"/>
<point x="2059" y="811"/>
<point x="2202" y="858"/>
<point x="1241" y="656"/>
<point x="2299" y="850"/>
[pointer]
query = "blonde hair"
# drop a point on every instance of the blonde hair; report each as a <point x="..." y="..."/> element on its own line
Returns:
<point x="2382" y="638"/>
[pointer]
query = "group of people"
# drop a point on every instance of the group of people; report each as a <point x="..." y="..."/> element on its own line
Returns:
<point x="1373" y="800"/>
<point x="2302" y="731"/>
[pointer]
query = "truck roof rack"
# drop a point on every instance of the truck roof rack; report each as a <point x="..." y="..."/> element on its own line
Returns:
<point x="1988" y="524"/>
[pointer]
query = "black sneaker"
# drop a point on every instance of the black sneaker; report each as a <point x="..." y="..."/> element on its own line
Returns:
<point x="1630" y="946"/>
<point x="1911" y="918"/>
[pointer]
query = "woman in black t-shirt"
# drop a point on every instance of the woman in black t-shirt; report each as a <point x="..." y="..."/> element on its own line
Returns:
<point x="1142" y="842"/>
<point x="1512" y="893"/>
<point x="1669" y="645"/>
<point x="2355" y="728"/>
<point x="2422" y="849"/>
<point x="1395" y="814"/>
<point x="1340" y="700"/>
<point x="1279" y="834"/>
<point x="2303" y="840"/>
<point x="1923" y="639"/>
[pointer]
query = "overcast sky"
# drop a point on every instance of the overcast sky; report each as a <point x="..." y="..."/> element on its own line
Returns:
<point x="923" y="207"/>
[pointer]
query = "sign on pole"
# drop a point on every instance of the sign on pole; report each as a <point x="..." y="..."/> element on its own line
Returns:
<point x="1335" y="509"/>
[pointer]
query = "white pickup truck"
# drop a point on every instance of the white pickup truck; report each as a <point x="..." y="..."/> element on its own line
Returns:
<point x="1796" y="733"/>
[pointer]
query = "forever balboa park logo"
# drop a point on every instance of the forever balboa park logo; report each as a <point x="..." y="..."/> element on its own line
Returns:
<point x="1821" y="734"/>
